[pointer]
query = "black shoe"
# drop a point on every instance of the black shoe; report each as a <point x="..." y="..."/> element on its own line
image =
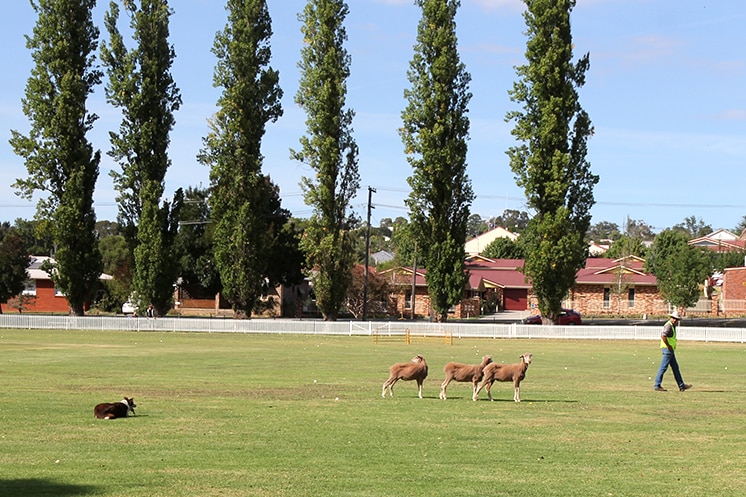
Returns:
<point x="684" y="387"/>
<point x="661" y="389"/>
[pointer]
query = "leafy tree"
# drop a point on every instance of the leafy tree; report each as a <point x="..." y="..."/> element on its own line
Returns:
<point x="106" y="228"/>
<point x="386" y="225"/>
<point x="245" y="204"/>
<point x="550" y="162"/>
<point x="194" y="245"/>
<point x="434" y="133"/>
<point x="14" y="260"/>
<point x="380" y="239"/>
<point x="503" y="248"/>
<point x="624" y="246"/>
<point x="512" y="220"/>
<point x="35" y="236"/>
<point x="330" y="150"/>
<point x="405" y="245"/>
<point x="59" y="158"/>
<point x="741" y="226"/>
<point x="475" y="226"/>
<point x="638" y="228"/>
<point x="378" y="293"/>
<point x="678" y="267"/>
<point x="722" y="260"/>
<point x="117" y="259"/>
<point x="140" y="83"/>
<point x="694" y="227"/>
<point x="603" y="230"/>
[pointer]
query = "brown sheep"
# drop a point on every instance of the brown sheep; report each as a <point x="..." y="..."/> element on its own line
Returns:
<point x="456" y="371"/>
<point x="505" y="372"/>
<point x="414" y="370"/>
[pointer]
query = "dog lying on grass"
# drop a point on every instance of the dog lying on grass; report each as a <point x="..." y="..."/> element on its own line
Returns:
<point x="113" y="410"/>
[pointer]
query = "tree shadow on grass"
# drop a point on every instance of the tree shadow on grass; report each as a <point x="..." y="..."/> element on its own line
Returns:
<point x="42" y="488"/>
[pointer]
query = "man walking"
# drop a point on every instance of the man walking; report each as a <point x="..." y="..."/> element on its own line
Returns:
<point x="668" y="348"/>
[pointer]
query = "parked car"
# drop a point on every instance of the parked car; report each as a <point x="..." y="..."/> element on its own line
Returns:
<point x="566" y="317"/>
<point x="129" y="308"/>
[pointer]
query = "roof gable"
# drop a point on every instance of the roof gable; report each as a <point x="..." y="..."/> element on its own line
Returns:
<point x="477" y="244"/>
<point x="35" y="272"/>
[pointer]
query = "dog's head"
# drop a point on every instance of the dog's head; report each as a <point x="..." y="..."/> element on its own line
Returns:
<point x="130" y="404"/>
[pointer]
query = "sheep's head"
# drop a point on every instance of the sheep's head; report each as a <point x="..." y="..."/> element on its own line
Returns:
<point x="486" y="360"/>
<point x="526" y="358"/>
<point x="417" y="359"/>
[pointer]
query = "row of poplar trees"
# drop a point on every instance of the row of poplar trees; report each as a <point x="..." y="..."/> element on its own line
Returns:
<point x="255" y="245"/>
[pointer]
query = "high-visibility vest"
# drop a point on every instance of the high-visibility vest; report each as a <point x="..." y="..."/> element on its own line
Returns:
<point x="671" y="339"/>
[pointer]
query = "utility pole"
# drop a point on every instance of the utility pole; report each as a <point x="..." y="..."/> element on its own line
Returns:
<point x="371" y="190"/>
<point x="414" y="281"/>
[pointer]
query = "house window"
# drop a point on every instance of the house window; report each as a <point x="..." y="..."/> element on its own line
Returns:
<point x="30" y="288"/>
<point x="631" y="297"/>
<point x="58" y="292"/>
<point x="607" y="298"/>
<point x="408" y="299"/>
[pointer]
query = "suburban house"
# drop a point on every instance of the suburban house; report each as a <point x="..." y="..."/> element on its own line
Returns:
<point x="476" y="245"/>
<point x="721" y="240"/>
<point x="596" y="249"/>
<point x="294" y="301"/>
<point x="40" y="294"/>
<point x="615" y="286"/>
<point x="603" y="286"/>
<point x="732" y="283"/>
<point x="733" y="291"/>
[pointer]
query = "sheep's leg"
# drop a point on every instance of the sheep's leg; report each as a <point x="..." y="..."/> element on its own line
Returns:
<point x="488" y="388"/>
<point x="443" y="388"/>
<point x="485" y="382"/>
<point x="390" y="384"/>
<point x="475" y="397"/>
<point x="517" y="394"/>
<point x="419" y="388"/>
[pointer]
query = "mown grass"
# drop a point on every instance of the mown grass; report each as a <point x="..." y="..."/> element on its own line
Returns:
<point x="262" y="415"/>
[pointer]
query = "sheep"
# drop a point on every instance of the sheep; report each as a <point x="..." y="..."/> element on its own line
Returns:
<point x="414" y="370"/>
<point x="463" y="372"/>
<point x="504" y="372"/>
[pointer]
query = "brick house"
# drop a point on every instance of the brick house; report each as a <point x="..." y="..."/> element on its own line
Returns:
<point x="603" y="286"/>
<point x="40" y="294"/>
<point x="733" y="291"/>
<point x="490" y="280"/>
<point x="294" y="301"/>
<point x="615" y="286"/>
<point x="732" y="297"/>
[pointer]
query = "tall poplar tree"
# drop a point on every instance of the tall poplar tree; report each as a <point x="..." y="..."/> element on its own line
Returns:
<point x="330" y="150"/>
<point x="245" y="203"/>
<point x="435" y="131"/>
<point x="140" y="84"/>
<point x="550" y="160"/>
<point x="59" y="158"/>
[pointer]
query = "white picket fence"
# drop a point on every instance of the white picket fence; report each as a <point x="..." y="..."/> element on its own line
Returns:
<point x="363" y="328"/>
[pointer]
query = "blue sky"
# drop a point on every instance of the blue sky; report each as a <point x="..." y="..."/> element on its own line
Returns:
<point x="665" y="92"/>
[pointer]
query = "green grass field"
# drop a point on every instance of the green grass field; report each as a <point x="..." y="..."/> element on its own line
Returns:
<point x="262" y="415"/>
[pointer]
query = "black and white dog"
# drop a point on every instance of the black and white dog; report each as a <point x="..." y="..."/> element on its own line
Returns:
<point x="112" y="410"/>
